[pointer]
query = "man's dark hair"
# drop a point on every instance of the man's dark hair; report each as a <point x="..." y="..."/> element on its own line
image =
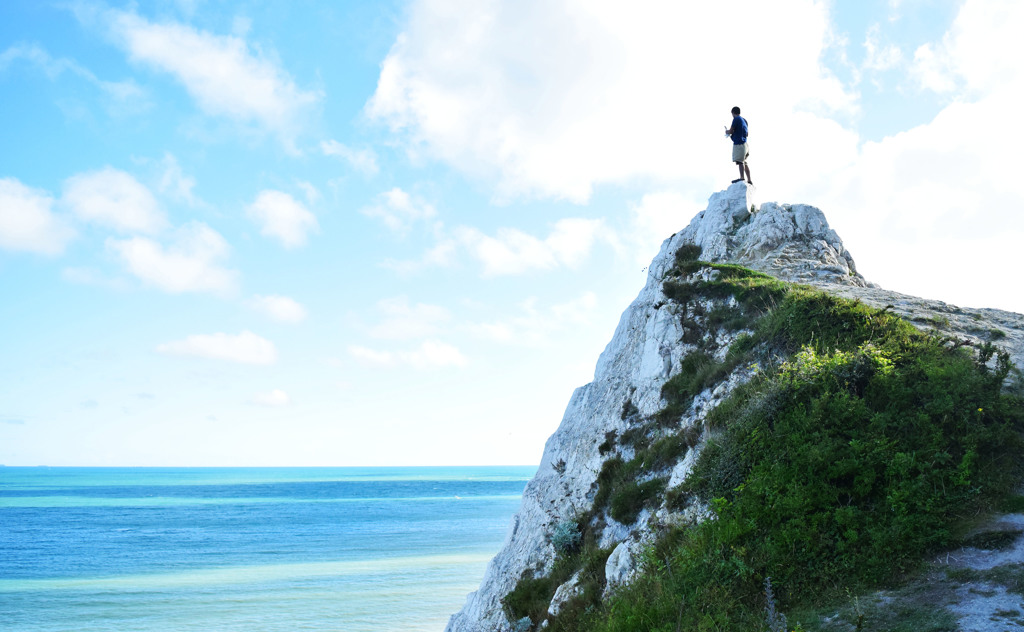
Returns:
<point x="736" y="111"/>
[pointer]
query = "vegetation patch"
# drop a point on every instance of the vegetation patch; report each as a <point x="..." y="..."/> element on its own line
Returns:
<point x="628" y="409"/>
<point x="687" y="253"/>
<point x="726" y="318"/>
<point x="939" y="322"/>
<point x="566" y="537"/>
<point x="754" y="292"/>
<point x="630" y="497"/>
<point x="620" y="487"/>
<point x="697" y="371"/>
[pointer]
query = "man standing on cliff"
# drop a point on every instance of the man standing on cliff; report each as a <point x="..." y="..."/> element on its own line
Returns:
<point x="740" y="151"/>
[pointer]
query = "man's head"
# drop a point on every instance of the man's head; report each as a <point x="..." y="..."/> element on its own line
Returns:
<point x="735" y="111"/>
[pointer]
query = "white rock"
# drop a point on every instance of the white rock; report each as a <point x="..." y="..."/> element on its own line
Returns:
<point x="623" y="563"/>
<point x="564" y="593"/>
<point x="613" y="533"/>
<point x="683" y="468"/>
<point x="620" y="566"/>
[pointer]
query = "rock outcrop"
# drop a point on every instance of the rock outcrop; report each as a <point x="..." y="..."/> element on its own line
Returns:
<point x="790" y="242"/>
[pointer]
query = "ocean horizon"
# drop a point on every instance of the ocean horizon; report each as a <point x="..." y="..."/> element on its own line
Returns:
<point x="360" y="549"/>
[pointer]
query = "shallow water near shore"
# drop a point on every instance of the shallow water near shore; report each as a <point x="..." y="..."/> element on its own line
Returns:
<point x="248" y="549"/>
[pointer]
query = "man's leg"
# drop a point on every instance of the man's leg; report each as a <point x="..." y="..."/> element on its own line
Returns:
<point x="740" y="165"/>
<point x="746" y="167"/>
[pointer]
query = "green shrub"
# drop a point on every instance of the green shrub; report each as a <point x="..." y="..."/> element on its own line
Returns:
<point x="688" y="252"/>
<point x="628" y="409"/>
<point x="566" y="537"/>
<point x="754" y="292"/>
<point x="530" y="598"/>
<point x="629" y="498"/>
<point x="727" y="318"/>
<point x="665" y="451"/>
<point x="617" y="486"/>
<point x="697" y="371"/>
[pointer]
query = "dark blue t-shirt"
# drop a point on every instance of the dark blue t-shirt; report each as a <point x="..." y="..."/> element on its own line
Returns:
<point x="739" y="130"/>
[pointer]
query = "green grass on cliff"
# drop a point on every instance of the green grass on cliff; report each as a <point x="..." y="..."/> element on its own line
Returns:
<point x="862" y="446"/>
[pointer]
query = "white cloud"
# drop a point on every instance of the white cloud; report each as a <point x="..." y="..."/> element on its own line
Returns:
<point x="913" y="196"/>
<point x="113" y="199"/>
<point x="223" y="73"/>
<point x="362" y="160"/>
<point x="937" y="207"/>
<point x="978" y="54"/>
<point x="244" y="348"/>
<point x="279" y="308"/>
<point x="441" y="254"/>
<point x="431" y="354"/>
<point x="37" y="56"/>
<point x="878" y="56"/>
<point x="272" y="399"/>
<point x="931" y="71"/>
<point x="312" y="193"/>
<point x="281" y="216"/>
<point x="187" y="7"/>
<point x="534" y="326"/>
<point x="191" y="263"/>
<point x="120" y="93"/>
<point x="657" y="216"/>
<point x="606" y="92"/>
<point x="399" y="210"/>
<point x="174" y="182"/>
<point x="513" y="251"/>
<point x="510" y="250"/>
<point x="372" y="357"/>
<point x="401" y="321"/>
<point x="27" y="222"/>
<point x="90" y="276"/>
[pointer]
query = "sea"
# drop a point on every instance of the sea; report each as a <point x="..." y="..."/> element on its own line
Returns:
<point x="247" y="549"/>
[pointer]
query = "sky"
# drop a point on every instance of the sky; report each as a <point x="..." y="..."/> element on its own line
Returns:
<point x="341" y="233"/>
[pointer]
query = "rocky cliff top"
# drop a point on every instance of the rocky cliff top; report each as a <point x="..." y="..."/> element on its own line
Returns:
<point x="792" y="242"/>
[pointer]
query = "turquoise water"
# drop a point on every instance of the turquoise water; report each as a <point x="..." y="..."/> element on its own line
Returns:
<point x="247" y="549"/>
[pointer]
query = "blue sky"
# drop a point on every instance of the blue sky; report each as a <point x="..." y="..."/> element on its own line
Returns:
<point x="355" y="233"/>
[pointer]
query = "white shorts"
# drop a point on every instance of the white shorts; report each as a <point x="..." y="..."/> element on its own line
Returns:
<point x="740" y="153"/>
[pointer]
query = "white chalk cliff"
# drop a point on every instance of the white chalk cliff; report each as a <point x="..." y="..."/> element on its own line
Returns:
<point x="790" y="242"/>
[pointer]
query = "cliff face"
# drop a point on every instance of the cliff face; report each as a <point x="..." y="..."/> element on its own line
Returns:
<point x="653" y="337"/>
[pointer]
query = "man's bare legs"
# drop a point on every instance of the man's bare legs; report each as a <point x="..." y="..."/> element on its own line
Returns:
<point x="743" y="167"/>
